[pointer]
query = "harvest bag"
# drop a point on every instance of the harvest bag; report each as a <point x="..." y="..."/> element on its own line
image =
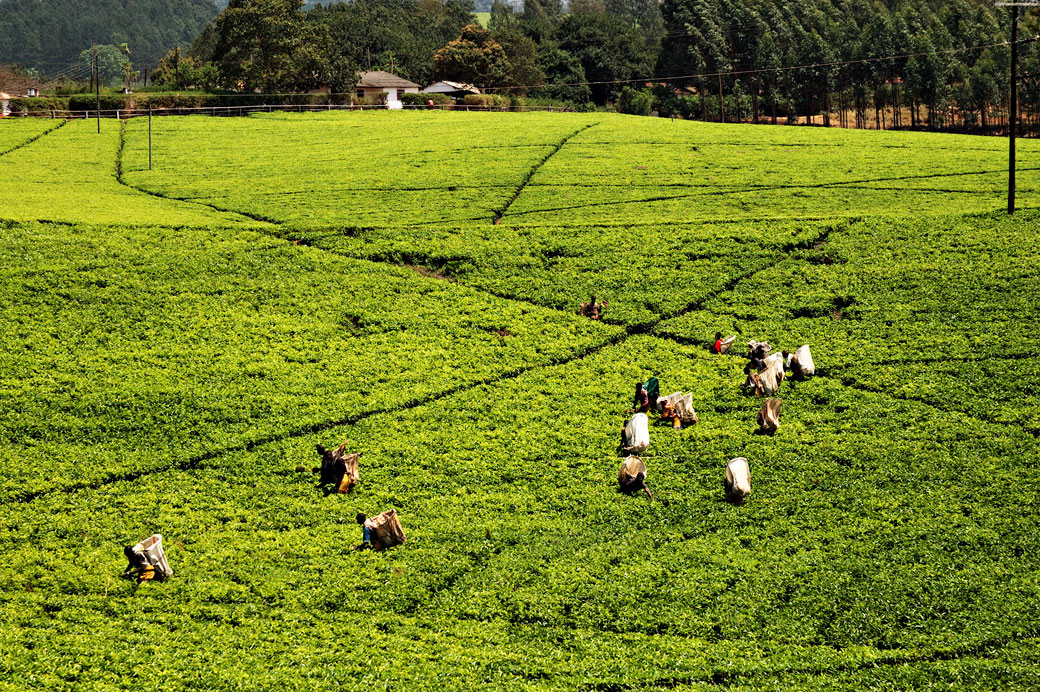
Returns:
<point x="637" y="433"/>
<point x="152" y="550"/>
<point x="738" y="480"/>
<point x="802" y="363"/>
<point x="351" y="473"/>
<point x="684" y="409"/>
<point x="386" y="530"/>
<point x="632" y="471"/>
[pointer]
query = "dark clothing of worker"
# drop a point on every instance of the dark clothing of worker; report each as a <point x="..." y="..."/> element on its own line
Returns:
<point x="754" y="365"/>
<point x="641" y="401"/>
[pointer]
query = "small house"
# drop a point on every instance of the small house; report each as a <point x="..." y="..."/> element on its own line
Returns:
<point x="31" y="93"/>
<point x="455" y="90"/>
<point x="371" y="84"/>
<point x="5" y="104"/>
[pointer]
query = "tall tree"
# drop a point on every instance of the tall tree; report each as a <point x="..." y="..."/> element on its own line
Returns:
<point x="564" y="75"/>
<point x="694" y="45"/>
<point x="543" y="10"/>
<point x="109" y="62"/>
<point x="475" y="57"/>
<point x="610" y="51"/>
<point x="256" y="44"/>
<point x="523" y="72"/>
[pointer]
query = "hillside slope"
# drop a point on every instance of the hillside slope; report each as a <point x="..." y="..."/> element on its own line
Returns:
<point x="176" y="339"/>
<point x="50" y="34"/>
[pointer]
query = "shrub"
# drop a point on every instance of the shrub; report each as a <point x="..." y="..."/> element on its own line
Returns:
<point x="635" y="101"/>
<point x="191" y="99"/>
<point x="486" y="100"/>
<point x="107" y="102"/>
<point x="40" y="104"/>
<point x="557" y="104"/>
<point x="421" y="99"/>
<point x="374" y="100"/>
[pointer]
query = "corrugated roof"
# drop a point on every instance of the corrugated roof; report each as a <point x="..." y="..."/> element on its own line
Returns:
<point x="457" y="86"/>
<point x="377" y="79"/>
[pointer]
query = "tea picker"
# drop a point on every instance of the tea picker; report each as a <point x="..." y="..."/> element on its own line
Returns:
<point x="677" y="408"/>
<point x="381" y="531"/>
<point x="592" y="308"/>
<point x="147" y="560"/>
<point x="338" y="469"/>
<point x="721" y="345"/>
<point x="632" y="476"/>
<point x="769" y="417"/>
<point x="800" y="362"/>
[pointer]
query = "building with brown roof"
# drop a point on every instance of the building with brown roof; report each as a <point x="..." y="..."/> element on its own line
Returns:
<point x="371" y="84"/>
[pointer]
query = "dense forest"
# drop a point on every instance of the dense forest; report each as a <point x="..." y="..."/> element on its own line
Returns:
<point x="929" y="59"/>
<point x="478" y="5"/>
<point x="49" y="35"/>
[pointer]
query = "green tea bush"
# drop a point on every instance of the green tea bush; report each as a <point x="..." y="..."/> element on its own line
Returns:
<point x="177" y="340"/>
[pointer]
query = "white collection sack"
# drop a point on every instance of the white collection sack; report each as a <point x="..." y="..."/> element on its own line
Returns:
<point x="153" y="552"/>
<point x="738" y="480"/>
<point x="802" y="363"/>
<point x="637" y="434"/>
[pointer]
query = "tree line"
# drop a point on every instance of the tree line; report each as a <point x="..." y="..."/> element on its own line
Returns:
<point x="881" y="63"/>
<point x="891" y="63"/>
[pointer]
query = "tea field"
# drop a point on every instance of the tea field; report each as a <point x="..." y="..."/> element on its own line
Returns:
<point x="176" y="341"/>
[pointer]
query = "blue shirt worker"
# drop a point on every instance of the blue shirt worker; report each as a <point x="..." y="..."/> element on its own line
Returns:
<point x="366" y="532"/>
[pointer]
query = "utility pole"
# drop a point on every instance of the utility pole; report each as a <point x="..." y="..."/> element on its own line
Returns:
<point x="722" y="102"/>
<point x="1013" y="94"/>
<point x="97" y="99"/>
<point x="1013" y="115"/>
<point x="149" y="133"/>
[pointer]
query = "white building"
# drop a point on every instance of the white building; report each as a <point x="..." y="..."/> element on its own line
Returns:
<point x="456" y="90"/>
<point x="376" y="82"/>
<point x="5" y="103"/>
